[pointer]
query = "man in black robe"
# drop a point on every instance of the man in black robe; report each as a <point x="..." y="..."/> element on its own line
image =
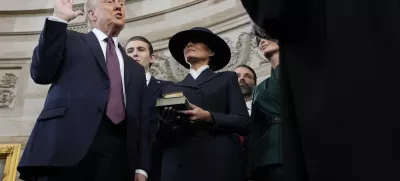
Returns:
<point x="339" y="60"/>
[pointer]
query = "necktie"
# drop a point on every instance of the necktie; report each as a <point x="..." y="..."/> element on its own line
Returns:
<point x="115" y="105"/>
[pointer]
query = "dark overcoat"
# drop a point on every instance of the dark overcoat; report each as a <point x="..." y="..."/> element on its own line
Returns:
<point x="340" y="100"/>
<point x="202" y="151"/>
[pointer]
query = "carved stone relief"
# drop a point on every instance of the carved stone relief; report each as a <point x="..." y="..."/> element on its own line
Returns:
<point x="243" y="51"/>
<point x="8" y="88"/>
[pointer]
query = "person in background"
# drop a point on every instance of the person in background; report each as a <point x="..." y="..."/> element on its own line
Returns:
<point x="247" y="79"/>
<point x="339" y="64"/>
<point x="141" y="50"/>
<point x="91" y="126"/>
<point x="265" y="143"/>
<point x="206" y="145"/>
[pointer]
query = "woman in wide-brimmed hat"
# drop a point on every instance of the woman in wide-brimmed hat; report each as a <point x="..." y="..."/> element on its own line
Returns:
<point x="205" y="145"/>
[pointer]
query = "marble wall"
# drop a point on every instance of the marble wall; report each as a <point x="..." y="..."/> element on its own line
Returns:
<point x="21" y="100"/>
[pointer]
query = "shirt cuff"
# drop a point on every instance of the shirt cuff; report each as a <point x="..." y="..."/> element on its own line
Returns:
<point x="53" y="18"/>
<point x="141" y="172"/>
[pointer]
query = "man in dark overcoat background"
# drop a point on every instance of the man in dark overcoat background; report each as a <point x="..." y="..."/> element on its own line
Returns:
<point x="141" y="50"/>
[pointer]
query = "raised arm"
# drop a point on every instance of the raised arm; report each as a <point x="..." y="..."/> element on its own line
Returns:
<point x="49" y="54"/>
<point x="237" y="120"/>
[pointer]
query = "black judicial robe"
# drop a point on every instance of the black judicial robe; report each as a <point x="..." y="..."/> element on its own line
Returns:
<point x="199" y="151"/>
<point x="340" y="102"/>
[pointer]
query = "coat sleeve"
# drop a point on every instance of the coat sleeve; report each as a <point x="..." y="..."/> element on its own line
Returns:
<point x="237" y="120"/>
<point x="273" y="85"/>
<point x="49" y="53"/>
<point x="145" y="139"/>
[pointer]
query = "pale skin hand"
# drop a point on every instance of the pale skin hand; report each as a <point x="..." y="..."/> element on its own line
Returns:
<point x="63" y="10"/>
<point x="197" y="114"/>
<point x="140" y="177"/>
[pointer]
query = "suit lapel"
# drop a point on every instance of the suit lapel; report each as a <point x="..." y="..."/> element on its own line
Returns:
<point x="206" y="76"/>
<point x="154" y="86"/>
<point x="94" y="46"/>
<point x="188" y="82"/>
<point x="127" y="61"/>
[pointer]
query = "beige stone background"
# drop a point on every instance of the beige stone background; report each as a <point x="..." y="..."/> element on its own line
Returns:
<point x="21" y="22"/>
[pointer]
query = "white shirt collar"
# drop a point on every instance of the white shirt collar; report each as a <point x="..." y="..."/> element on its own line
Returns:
<point x="101" y="36"/>
<point x="196" y="73"/>
<point x="148" y="77"/>
<point x="249" y="104"/>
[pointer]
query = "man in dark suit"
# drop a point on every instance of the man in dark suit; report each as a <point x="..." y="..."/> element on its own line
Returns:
<point x="206" y="145"/>
<point x="141" y="50"/>
<point x="91" y="126"/>
<point x="339" y="63"/>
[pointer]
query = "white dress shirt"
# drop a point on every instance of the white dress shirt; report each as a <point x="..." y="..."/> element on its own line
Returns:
<point x="196" y="73"/>
<point x="248" y="104"/>
<point x="148" y="77"/>
<point x="103" y="44"/>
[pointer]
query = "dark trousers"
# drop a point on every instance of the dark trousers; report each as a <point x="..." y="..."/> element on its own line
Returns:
<point x="269" y="173"/>
<point x="156" y="161"/>
<point x="106" y="159"/>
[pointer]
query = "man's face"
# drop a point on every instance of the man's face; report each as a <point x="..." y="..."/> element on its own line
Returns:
<point x="196" y="51"/>
<point x="246" y="80"/>
<point x="140" y="52"/>
<point x="108" y="13"/>
<point x="268" y="47"/>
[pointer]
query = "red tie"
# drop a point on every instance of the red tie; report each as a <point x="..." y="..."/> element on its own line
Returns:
<point x="115" y="104"/>
<point x="241" y="139"/>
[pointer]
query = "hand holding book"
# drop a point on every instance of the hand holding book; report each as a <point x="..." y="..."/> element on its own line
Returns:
<point x="175" y="108"/>
<point x="197" y="114"/>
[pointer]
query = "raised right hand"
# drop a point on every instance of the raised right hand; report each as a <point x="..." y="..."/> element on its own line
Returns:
<point x="63" y="10"/>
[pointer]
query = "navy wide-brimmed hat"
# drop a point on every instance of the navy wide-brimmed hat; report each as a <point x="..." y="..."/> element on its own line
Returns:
<point x="222" y="52"/>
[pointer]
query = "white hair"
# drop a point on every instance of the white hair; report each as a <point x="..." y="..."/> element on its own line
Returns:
<point x="89" y="6"/>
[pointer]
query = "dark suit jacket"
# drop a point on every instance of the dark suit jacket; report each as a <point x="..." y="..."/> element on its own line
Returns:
<point x="75" y="66"/>
<point x="203" y="151"/>
<point x="152" y="92"/>
<point x="339" y="75"/>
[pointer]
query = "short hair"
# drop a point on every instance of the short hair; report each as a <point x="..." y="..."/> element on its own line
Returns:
<point x="251" y="70"/>
<point x="89" y="5"/>
<point x="143" y="39"/>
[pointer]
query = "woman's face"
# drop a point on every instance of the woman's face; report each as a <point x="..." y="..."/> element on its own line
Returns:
<point x="196" y="51"/>
<point x="268" y="47"/>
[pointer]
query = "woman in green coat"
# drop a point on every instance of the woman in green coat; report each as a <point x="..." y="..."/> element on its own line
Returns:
<point x="265" y="156"/>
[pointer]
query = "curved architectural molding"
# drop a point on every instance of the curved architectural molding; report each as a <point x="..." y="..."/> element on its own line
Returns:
<point x="45" y="7"/>
<point x="79" y="23"/>
<point x="218" y="17"/>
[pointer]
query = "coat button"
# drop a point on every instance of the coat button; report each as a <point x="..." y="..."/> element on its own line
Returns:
<point x="98" y="110"/>
<point x="106" y="86"/>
